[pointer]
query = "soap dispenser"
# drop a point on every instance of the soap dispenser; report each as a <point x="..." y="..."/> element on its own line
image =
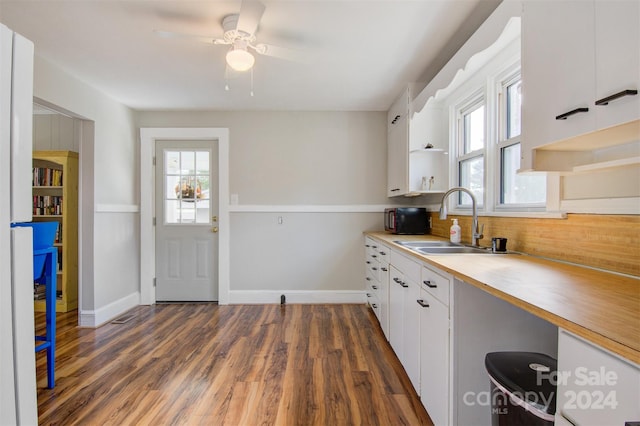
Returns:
<point x="455" y="232"/>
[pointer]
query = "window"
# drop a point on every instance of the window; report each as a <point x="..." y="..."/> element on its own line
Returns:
<point x="470" y="159"/>
<point x="522" y="191"/>
<point x="487" y="126"/>
<point x="186" y="191"/>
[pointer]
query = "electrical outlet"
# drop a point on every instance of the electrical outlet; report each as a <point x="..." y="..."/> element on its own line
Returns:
<point x="280" y="220"/>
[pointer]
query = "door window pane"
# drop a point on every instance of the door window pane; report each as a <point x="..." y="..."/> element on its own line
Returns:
<point x="186" y="189"/>
<point x="472" y="177"/>
<point x="519" y="189"/>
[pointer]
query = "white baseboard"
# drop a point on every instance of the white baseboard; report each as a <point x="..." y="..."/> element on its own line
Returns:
<point x="105" y="314"/>
<point x="238" y="297"/>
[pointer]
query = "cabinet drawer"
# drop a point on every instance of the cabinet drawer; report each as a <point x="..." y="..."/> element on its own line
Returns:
<point x="436" y="284"/>
<point x="373" y="301"/>
<point x="409" y="268"/>
<point x="383" y="253"/>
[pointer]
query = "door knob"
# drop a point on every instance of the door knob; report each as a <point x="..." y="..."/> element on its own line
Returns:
<point x="214" y="229"/>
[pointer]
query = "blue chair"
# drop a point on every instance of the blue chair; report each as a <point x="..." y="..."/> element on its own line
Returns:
<point x="45" y="261"/>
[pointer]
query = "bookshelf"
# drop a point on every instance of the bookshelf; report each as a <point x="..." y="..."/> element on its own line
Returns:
<point x="55" y="198"/>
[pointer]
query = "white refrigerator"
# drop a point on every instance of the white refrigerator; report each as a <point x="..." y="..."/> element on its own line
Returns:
<point x="18" y="398"/>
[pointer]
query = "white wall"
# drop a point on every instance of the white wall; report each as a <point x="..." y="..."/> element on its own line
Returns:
<point x="324" y="173"/>
<point x="110" y="247"/>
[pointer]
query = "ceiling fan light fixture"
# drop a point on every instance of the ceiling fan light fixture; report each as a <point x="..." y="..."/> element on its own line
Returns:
<point x="240" y="59"/>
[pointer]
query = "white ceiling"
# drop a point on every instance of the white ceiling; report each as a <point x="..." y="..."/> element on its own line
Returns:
<point x="361" y="52"/>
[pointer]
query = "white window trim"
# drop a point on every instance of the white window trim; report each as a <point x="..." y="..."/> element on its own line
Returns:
<point x="469" y="103"/>
<point x="490" y="88"/>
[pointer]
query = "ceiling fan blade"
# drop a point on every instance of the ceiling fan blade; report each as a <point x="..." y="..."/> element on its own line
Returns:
<point x="170" y="34"/>
<point x="250" y="14"/>
<point x="283" y="53"/>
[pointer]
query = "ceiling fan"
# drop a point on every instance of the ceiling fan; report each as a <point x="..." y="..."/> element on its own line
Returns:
<point x="240" y="34"/>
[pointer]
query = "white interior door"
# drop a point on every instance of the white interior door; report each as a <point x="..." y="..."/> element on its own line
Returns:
<point x="186" y="220"/>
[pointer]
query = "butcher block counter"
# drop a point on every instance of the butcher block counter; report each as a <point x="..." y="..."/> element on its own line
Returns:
<point x="599" y="306"/>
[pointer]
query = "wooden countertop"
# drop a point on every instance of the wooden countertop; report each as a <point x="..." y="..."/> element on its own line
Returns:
<point x="602" y="307"/>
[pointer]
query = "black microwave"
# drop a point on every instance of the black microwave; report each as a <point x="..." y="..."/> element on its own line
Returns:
<point x="407" y="220"/>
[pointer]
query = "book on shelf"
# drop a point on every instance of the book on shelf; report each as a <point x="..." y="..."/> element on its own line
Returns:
<point x="43" y="176"/>
<point x="47" y="205"/>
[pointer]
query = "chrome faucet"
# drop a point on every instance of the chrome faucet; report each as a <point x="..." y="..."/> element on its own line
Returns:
<point x="476" y="230"/>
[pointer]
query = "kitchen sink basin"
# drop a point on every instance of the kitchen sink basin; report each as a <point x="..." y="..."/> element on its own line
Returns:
<point x="452" y="250"/>
<point x="417" y="244"/>
<point x="441" y="247"/>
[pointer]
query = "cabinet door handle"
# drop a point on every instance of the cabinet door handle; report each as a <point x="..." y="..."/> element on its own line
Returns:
<point x="375" y="287"/>
<point x="396" y="279"/>
<point x="383" y="253"/>
<point x="368" y="279"/>
<point x="373" y="255"/>
<point x="605" y="101"/>
<point x="374" y="268"/>
<point x="403" y="284"/>
<point x="395" y="189"/>
<point x="374" y="306"/>
<point x="396" y="118"/>
<point x="422" y="303"/>
<point x="570" y="113"/>
<point x="428" y="284"/>
<point x="368" y="263"/>
<point x="368" y="295"/>
<point x="384" y="269"/>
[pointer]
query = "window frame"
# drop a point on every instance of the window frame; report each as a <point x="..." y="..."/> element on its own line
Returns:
<point x="471" y="103"/>
<point x="488" y="86"/>
<point x="503" y="80"/>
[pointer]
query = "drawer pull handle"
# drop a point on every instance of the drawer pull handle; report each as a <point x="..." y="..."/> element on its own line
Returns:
<point x="375" y="287"/>
<point x="384" y="269"/>
<point x="605" y="101"/>
<point x="373" y="255"/>
<point x="374" y="268"/>
<point x="368" y="295"/>
<point x="395" y="189"/>
<point x="383" y="253"/>
<point x="374" y="247"/>
<point x="570" y="113"/>
<point x="428" y="284"/>
<point x="422" y="303"/>
<point x="367" y="245"/>
<point x="368" y="279"/>
<point x="374" y="306"/>
<point x="403" y="284"/>
<point x="368" y="263"/>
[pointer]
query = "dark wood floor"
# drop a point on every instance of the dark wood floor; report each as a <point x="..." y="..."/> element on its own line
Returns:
<point x="234" y="365"/>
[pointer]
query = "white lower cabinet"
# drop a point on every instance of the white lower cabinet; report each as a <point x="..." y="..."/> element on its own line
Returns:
<point x="434" y="345"/>
<point x="404" y="314"/>
<point x="377" y="281"/>
<point x="419" y="330"/>
<point x="595" y="387"/>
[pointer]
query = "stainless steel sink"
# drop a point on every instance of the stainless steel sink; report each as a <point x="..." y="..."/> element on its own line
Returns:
<point x="452" y="250"/>
<point x="441" y="247"/>
<point x="417" y="244"/>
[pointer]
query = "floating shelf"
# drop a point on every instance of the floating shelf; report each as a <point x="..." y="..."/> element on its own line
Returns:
<point x="607" y="164"/>
<point x="426" y="151"/>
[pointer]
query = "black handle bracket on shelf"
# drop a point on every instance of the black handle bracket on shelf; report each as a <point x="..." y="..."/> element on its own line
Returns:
<point x="570" y="113"/>
<point x="605" y="101"/>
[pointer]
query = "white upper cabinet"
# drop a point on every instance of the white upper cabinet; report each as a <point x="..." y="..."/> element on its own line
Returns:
<point x="398" y="146"/>
<point x="574" y="54"/>
<point x="617" y="60"/>
<point x="416" y="160"/>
